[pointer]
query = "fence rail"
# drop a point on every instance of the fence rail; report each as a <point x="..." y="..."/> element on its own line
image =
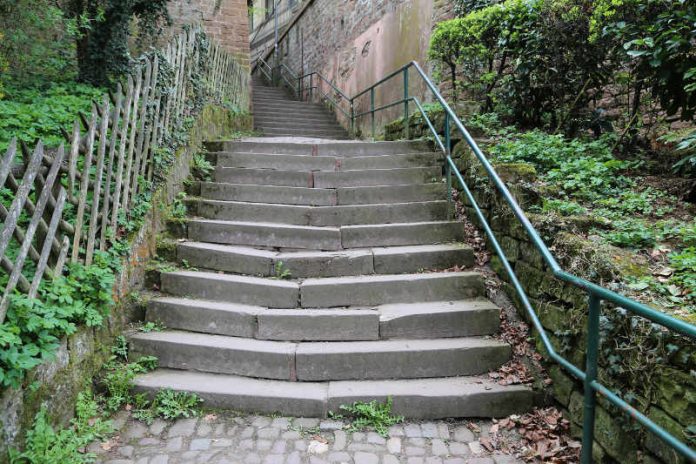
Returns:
<point x="69" y="204"/>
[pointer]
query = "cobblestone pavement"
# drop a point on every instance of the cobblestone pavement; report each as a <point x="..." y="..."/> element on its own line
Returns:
<point x="222" y="438"/>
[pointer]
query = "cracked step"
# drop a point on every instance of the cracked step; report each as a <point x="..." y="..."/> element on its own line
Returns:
<point x="303" y="196"/>
<point x="271" y="293"/>
<point x="323" y="238"/>
<point x="324" y="163"/>
<point x="307" y="196"/>
<point x="383" y="289"/>
<point x="343" y="149"/>
<point x="416" y="399"/>
<point x="319" y="216"/>
<point x="390" y="260"/>
<point x="323" y="292"/>
<point x="321" y="361"/>
<point x="441" y="319"/>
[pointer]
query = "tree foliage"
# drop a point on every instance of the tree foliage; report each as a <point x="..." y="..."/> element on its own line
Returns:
<point x="104" y="30"/>
<point x="546" y="63"/>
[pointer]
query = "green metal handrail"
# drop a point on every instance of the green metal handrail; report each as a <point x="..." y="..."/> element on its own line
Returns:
<point x="596" y="293"/>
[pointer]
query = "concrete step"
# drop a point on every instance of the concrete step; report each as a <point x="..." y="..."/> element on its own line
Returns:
<point x="260" y="92"/>
<point x="415" y="399"/>
<point x="264" y="177"/>
<point x="323" y="292"/>
<point x="391" y="260"/>
<point x="329" y="179"/>
<point x="384" y="289"/>
<point x="440" y="319"/>
<point x="324" y="163"/>
<point x="321" y="361"/>
<point x="269" y="194"/>
<point x="318" y="215"/>
<point x="277" y="162"/>
<point x="261" y="113"/>
<point x="271" y="293"/>
<point x="345" y="149"/>
<point x="323" y="238"/>
<point x="392" y="193"/>
<point x="416" y="233"/>
<point x="265" y="234"/>
<point x="287" y="106"/>
<point x="372" y="177"/>
<point x="322" y="197"/>
<point x="298" y="124"/>
<point x="290" y="132"/>
<point x="275" y="117"/>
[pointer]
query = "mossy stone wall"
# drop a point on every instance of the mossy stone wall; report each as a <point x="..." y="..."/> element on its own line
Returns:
<point x="655" y="370"/>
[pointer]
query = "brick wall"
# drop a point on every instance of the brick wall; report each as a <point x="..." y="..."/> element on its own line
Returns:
<point x="226" y="21"/>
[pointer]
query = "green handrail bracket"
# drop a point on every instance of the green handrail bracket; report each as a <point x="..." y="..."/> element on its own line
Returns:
<point x="596" y="294"/>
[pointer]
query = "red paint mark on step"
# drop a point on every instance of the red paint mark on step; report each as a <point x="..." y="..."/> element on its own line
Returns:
<point x="315" y="150"/>
<point x="339" y="162"/>
<point x="310" y="180"/>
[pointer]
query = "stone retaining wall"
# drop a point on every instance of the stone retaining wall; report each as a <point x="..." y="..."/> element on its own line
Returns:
<point x="56" y="384"/>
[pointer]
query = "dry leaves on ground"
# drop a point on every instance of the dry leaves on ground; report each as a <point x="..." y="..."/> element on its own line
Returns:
<point x="544" y="436"/>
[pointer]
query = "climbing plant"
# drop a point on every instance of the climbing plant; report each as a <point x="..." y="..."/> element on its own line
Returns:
<point x="103" y="30"/>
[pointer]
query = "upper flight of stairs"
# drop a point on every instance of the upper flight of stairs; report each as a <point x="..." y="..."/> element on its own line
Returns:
<point x="320" y="273"/>
<point x="276" y="114"/>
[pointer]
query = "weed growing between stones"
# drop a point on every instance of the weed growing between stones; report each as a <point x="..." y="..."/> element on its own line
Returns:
<point x="151" y="326"/>
<point x="45" y="445"/>
<point x="282" y="272"/>
<point x="374" y="414"/>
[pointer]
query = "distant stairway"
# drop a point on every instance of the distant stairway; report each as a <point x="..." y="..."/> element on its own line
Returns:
<point x="318" y="282"/>
<point x="276" y="114"/>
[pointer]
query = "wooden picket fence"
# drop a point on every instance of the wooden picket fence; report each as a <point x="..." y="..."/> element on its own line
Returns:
<point x="107" y="163"/>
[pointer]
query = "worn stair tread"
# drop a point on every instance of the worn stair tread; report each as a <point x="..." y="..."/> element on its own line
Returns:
<point x="264" y="234"/>
<point x="343" y="148"/>
<point x="392" y="288"/>
<point x="303" y="264"/>
<point x="273" y="293"/>
<point x="441" y="319"/>
<point x="283" y="162"/>
<point x="268" y="234"/>
<point x="319" y="215"/>
<point x="416" y="399"/>
<point x="312" y="196"/>
<point x="303" y="196"/>
<point x="312" y="361"/>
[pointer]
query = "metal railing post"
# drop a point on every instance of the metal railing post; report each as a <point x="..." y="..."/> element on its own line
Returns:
<point x="448" y="168"/>
<point x="589" y="402"/>
<point x="311" y="88"/>
<point x="406" y="122"/>
<point x="372" y="110"/>
<point x="352" y="118"/>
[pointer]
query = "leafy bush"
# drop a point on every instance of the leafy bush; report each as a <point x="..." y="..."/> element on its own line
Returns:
<point x="543" y="62"/>
<point x="30" y="114"/>
<point x="630" y="234"/>
<point x="33" y="328"/>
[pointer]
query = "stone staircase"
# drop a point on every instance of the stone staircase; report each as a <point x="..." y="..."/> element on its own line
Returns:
<point x="316" y="275"/>
<point x="276" y="114"/>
